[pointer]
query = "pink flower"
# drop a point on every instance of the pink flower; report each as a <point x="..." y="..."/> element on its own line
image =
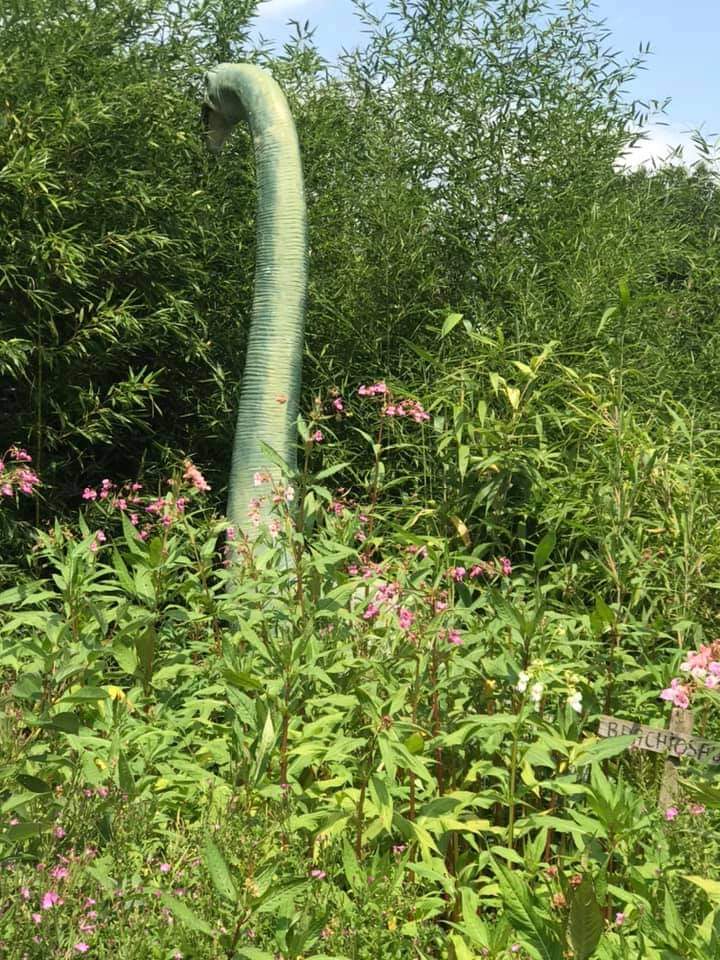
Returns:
<point x="458" y="573"/>
<point x="338" y="404"/>
<point x="671" y="813"/>
<point x="22" y="456"/>
<point x="318" y="874"/>
<point x="405" y="618"/>
<point x="371" y="611"/>
<point x="59" y="873"/>
<point x="100" y="536"/>
<point x="165" y="868"/>
<point x="619" y="919"/>
<point x="36" y="917"/>
<point x="6" y="490"/>
<point x="318" y="436"/>
<point x="677" y="694"/>
<point x="193" y="475"/>
<point x="454" y="637"/>
<point x="25" y="893"/>
<point x="82" y="947"/>
<point x="696" y="809"/>
<point x="89" y="494"/>
<point x="50" y="899"/>
<point x="59" y="832"/>
<point x="506" y="566"/>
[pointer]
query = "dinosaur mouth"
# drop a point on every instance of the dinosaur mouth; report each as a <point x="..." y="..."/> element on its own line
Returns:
<point x="217" y="128"/>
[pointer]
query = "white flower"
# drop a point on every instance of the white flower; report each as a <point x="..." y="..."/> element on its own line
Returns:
<point x="536" y="692"/>
<point x="698" y="672"/>
<point x="575" y="701"/>
<point x="523" y="679"/>
<point x="289" y="494"/>
<point x="685" y="667"/>
<point x="259" y="479"/>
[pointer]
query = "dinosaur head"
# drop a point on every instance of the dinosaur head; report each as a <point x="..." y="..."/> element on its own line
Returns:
<point x="221" y="108"/>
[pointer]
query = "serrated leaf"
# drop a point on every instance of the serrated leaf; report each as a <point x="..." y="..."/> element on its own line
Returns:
<point x="383" y="801"/>
<point x="585" y="923"/>
<point x="185" y="914"/>
<point x="219" y="871"/>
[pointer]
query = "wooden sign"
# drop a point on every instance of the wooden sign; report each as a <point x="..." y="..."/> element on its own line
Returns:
<point x="676" y="743"/>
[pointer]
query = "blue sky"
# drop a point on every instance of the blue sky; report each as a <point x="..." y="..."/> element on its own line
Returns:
<point x="684" y="37"/>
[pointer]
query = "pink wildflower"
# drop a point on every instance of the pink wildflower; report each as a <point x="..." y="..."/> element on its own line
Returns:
<point x="405" y="618"/>
<point x="457" y="573"/>
<point x="20" y="455"/>
<point x="619" y="919"/>
<point x="89" y="494"/>
<point x="193" y="475"/>
<point x="165" y="868"/>
<point x="506" y="566"/>
<point x="454" y="637"/>
<point x="671" y="813"/>
<point x="50" y="899"/>
<point x="82" y="947"/>
<point x="696" y="809"/>
<point x="338" y="404"/>
<point x="318" y="874"/>
<point x="677" y="694"/>
<point x="371" y="611"/>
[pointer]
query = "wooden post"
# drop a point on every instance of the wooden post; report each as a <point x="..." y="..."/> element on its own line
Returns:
<point x="681" y="723"/>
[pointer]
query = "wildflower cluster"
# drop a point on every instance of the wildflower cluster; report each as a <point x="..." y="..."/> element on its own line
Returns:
<point x="499" y="567"/>
<point x="147" y="513"/>
<point x="414" y="610"/>
<point x="412" y="409"/>
<point x="702" y="671"/>
<point x="15" y="476"/>
<point x="548" y="680"/>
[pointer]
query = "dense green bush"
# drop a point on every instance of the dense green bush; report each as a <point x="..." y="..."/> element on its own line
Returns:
<point x="463" y="159"/>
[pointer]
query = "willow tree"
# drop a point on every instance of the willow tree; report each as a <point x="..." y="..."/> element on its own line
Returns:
<point x="270" y="390"/>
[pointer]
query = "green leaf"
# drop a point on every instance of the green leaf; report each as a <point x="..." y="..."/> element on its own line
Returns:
<point x="126" y="657"/>
<point x="516" y="899"/>
<point x="185" y="914"/>
<point x="34" y="784"/>
<point x="451" y="321"/>
<point x="65" y="721"/>
<point x="21" y="831"/>
<point x="85" y="695"/>
<point x="383" y="801"/>
<point x="711" y="887"/>
<point x="414" y="744"/>
<point x="145" y="647"/>
<point x="28" y="687"/>
<point x="544" y="549"/>
<point x="589" y="752"/>
<point x="219" y="871"/>
<point x="125" y="779"/>
<point x="585" y="923"/>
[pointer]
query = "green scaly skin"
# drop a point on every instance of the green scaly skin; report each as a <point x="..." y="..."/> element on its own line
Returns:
<point x="270" y="392"/>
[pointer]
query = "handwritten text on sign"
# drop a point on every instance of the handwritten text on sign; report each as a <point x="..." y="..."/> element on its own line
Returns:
<point x="662" y="741"/>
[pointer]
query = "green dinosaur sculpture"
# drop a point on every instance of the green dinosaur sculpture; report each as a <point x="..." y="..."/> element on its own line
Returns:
<point x="270" y="392"/>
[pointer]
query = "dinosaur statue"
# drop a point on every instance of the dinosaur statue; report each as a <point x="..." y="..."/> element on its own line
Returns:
<point x="270" y="391"/>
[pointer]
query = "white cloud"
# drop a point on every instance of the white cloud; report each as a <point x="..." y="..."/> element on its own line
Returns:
<point x="272" y="9"/>
<point x="661" y="145"/>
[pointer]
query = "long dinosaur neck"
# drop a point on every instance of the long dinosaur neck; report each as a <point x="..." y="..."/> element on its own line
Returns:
<point x="270" y="390"/>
